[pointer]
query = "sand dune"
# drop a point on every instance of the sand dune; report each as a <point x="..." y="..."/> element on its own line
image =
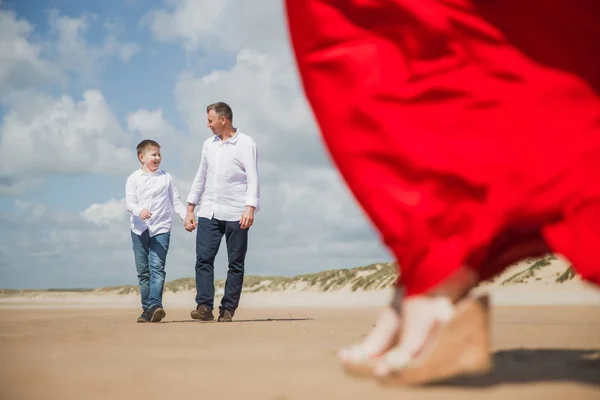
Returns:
<point x="531" y="282"/>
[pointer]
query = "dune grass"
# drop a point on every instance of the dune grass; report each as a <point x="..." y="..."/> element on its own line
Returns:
<point x="567" y="275"/>
<point x="369" y="277"/>
<point x="528" y="273"/>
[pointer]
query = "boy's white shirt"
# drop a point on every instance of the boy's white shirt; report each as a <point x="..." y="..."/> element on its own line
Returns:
<point x="227" y="178"/>
<point x="154" y="192"/>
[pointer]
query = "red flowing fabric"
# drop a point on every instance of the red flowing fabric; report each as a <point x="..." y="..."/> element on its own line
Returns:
<point x="468" y="130"/>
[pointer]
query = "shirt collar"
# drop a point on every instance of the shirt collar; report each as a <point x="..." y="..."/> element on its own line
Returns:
<point x="232" y="140"/>
<point x="157" y="172"/>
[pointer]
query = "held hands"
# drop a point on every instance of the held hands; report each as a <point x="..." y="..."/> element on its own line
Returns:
<point x="189" y="223"/>
<point x="247" y="218"/>
<point x="145" y="214"/>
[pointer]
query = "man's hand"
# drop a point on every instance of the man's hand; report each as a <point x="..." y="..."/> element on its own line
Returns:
<point x="247" y="218"/>
<point x="189" y="223"/>
<point x="145" y="214"/>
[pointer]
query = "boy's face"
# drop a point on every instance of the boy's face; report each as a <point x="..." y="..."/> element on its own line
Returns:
<point x="151" y="158"/>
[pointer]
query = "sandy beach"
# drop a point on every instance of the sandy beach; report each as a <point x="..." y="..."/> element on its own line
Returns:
<point x="550" y="352"/>
<point x="281" y="345"/>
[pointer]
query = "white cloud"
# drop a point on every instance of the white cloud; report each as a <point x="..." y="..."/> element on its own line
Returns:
<point x="103" y="214"/>
<point x="76" y="55"/>
<point x="25" y="63"/>
<point x="21" y="63"/>
<point x="150" y="124"/>
<point x="69" y="249"/>
<point x="93" y="248"/>
<point x="66" y="250"/>
<point x="42" y="135"/>
<point x="219" y="25"/>
<point x="262" y="86"/>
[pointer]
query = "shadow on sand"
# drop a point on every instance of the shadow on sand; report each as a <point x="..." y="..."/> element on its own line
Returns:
<point x="241" y="320"/>
<point x="537" y="365"/>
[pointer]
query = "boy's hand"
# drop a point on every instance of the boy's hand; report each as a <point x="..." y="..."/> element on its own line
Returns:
<point x="189" y="223"/>
<point x="247" y="218"/>
<point x="145" y="214"/>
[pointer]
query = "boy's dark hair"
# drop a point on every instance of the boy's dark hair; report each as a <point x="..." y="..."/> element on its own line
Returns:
<point x="221" y="109"/>
<point x="144" y="144"/>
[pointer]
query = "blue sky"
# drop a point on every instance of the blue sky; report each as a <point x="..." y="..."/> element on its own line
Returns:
<point x="82" y="82"/>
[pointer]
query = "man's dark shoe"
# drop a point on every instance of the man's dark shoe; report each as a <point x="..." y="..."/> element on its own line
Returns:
<point x="145" y="317"/>
<point x="225" y="315"/>
<point x="157" y="314"/>
<point x="203" y="313"/>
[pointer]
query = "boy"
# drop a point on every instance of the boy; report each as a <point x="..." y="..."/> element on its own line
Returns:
<point x="151" y="197"/>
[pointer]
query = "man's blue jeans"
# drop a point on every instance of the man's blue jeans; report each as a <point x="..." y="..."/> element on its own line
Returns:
<point x="208" y="239"/>
<point x="150" y="258"/>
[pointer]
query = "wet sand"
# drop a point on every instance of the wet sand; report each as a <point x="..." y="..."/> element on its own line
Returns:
<point x="277" y="354"/>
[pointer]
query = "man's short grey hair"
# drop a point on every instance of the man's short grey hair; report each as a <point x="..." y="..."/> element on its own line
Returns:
<point x="221" y="109"/>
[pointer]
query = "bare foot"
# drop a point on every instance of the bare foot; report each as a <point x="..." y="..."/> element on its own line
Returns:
<point x="408" y="327"/>
<point x="421" y="315"/>
<point x="439" y="340"/>
<point x="383" y="336"/>
<point x="358" y="359"/>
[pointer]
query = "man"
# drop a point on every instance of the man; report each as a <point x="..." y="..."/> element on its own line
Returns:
<point x="226" y="187"/>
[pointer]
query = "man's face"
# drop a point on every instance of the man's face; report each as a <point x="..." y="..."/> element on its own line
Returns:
<point x="215" y="122"/>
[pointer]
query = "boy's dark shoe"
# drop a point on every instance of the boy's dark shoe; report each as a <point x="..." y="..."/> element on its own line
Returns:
<point x="225" y="315"/>
<point x="203" y="313"/>
<point x="145" y="317"/>
<point x="157" y="314"/>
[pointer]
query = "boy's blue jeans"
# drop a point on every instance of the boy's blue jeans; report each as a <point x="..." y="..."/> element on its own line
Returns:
<point x="150" y="258"/>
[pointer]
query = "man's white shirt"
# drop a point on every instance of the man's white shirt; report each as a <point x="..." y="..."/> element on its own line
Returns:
<point x="227" y="178"/>
<point x="156" y="193"/>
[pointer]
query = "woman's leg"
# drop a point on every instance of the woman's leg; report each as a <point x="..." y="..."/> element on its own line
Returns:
<point x="430" y="135"/>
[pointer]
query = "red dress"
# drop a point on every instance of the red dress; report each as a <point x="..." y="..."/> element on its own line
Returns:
<point x="463" y="128"/>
